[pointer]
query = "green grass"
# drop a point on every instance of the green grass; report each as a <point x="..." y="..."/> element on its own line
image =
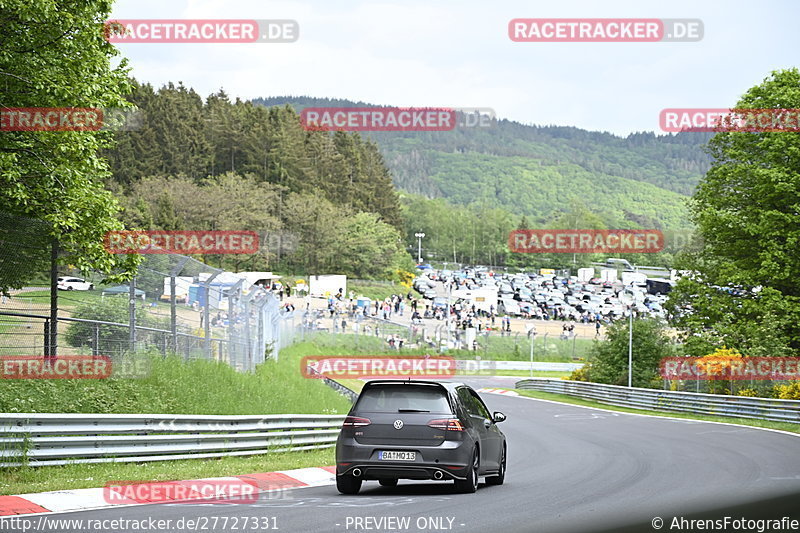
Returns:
<point x="39" y="479"/>
<point x="375" y="291"/>
<point x="66" y="299"/>
<point x="550" y="350"/>
<point x="173" y="386"/>
<point x="536" y="373"/>
<point x="563" y="398"/>
<point x="357" y="384"/>
<point x="499" y="348"/>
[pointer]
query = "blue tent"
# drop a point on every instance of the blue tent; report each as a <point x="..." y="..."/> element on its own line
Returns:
<point x="426" y="266"/>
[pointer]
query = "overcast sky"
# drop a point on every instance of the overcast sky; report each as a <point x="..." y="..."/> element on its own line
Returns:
<point x="458" y="54"/>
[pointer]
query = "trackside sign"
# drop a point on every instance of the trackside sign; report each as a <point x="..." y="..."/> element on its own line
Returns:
<point x="320" y="366"/>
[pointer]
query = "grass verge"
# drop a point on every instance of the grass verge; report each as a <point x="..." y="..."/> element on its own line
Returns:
<point x="173" y="386"/>
<point x="499" y="348"/>
<point x="375" y="291"/>
<point x="40" y="479"/>
<point x="563" y="398"/>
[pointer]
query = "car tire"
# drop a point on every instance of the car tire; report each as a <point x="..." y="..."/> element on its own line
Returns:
<point x="91" y="286"/>
<point x="388" y="482"/>
<point x="348" y="484"/>
<point x="501" y="474"/>
<point x="470" y="485"/>
<point x="69" y="288"/>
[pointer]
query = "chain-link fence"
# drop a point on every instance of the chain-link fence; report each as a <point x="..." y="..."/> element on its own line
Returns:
<point x="174" y="305"/>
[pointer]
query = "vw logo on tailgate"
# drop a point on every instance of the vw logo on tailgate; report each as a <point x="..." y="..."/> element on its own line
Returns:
<point x="398" y="424"/>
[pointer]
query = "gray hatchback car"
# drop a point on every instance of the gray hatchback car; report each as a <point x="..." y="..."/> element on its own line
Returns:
<point x="420" y="430"/>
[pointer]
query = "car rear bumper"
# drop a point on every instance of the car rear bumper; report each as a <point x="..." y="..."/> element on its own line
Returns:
<point x="449" y="461"/>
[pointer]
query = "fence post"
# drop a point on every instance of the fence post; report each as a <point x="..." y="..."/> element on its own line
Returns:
<point x="164" y="345"/>
<point x="52" y="346"/>
<point x="96" y="350"/>
<point x="132" y="315"/>
<point x="248" y="353"/>
<point x="47" y="337"/>
<point x="206" y="316"/>
<point x="173" y="311"/>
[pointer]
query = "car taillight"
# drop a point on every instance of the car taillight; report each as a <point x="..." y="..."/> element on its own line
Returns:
<point x="448" y="424"/>
<point x="355" y="422"/>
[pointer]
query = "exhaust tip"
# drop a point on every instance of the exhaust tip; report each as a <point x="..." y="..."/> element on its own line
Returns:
<point x="438" y="475"/>
<point x="357" y="472"/>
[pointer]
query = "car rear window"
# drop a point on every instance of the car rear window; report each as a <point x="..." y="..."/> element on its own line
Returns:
<point x="395" y="398"/>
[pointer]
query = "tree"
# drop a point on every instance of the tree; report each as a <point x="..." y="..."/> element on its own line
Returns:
<point x="54" y="54"/>
<point x="608" y="361"/>
<point x="370" y="248"/>
<point x="746" y="289"/>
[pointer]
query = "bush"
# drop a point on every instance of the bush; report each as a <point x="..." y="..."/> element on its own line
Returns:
<point x="788" y="392"/>
<point x="110" y="339"/>
<point x="580" y="374"/>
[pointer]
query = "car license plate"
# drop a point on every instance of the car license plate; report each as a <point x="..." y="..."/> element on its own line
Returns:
<point x="397" y="456"/>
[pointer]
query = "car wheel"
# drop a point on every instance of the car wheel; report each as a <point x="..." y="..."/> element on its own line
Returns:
<point x="470" y="484"/>
<point x="348" y="484"/>
<point x="91" y="286"/>
<point x="69" y="288"/>
<point x="388" y="482"/>
<point x="501" y="474"/>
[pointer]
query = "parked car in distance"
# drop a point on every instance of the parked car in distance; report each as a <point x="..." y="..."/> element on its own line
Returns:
<point x="509" y="306"/>
<point x="440" y="302"/>
<point x="66" y="283"/>
<point x="419" y="430"/>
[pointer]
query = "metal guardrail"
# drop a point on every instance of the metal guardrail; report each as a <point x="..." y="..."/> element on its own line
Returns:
<point x="57" y="439"/>
<point x="341" y="389"/>
<point x="663" y="400"/>
<point x="335" y="385"/>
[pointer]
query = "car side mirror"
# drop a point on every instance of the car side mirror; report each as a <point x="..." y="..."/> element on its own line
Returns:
<point x="498" y="417"/>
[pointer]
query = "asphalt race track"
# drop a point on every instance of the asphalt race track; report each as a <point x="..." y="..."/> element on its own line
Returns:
<point x="570" y="469"/>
